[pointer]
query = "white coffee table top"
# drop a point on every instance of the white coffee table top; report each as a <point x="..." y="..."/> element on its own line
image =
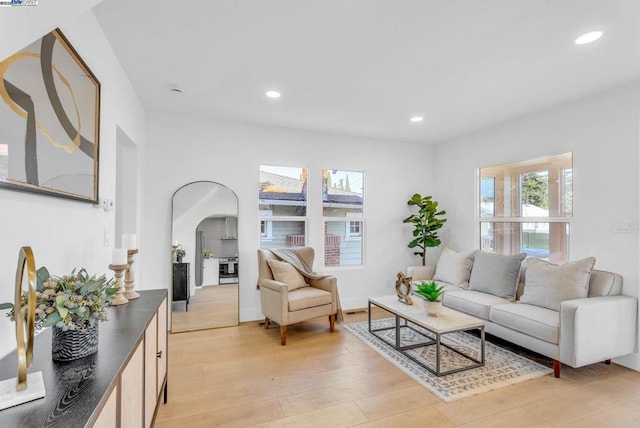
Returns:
<point x="449" y="320"/>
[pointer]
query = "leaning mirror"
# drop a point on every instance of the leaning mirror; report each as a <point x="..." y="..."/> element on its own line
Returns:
<point x="204" y="257"/>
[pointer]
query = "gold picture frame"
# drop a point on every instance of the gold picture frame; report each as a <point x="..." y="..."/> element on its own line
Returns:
<point x="49" y="121"/>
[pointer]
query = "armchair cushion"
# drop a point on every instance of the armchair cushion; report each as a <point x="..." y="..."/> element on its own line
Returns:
<point x="548" y="285"/>
<point x="308" y="297"/>
<point x="285" y="272"/>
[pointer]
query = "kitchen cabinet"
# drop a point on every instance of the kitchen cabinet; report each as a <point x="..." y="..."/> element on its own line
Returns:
<point x="231" y="227"/>
<point x="210" y="272"/>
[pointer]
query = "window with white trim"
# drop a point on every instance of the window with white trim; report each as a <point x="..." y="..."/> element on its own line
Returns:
<point x="266" y="226"/>
<point x="343" y="217"/>
<point x="353" y="230"/>
<point x="527" y="207"/>
<point x="282" y="206"/>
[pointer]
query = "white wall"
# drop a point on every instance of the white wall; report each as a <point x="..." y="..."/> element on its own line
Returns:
<point x="602" y="132"/>
<point x="21" y="26"/>
<point x="185" y="150"/>
<point x="66" y="234"/>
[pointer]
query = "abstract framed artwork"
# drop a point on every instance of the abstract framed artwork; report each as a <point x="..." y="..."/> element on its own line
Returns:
<point x="49" y="121"/>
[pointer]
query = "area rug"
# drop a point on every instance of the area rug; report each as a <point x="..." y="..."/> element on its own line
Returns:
<point x="502" y="367"/>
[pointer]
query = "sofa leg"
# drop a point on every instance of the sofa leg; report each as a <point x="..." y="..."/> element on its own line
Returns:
<point x="266" y="323"/>
<point x="332" y="322"/>
<point x="607" y="362"/>
<point x="283" y="335"/>
<point x="556" y="368"/>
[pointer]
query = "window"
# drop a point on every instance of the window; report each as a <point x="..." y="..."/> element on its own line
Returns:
<point x="343" y="217"/>
<point x="282" y="206"/>
<point x="353" y="229"/>
<point x="527" y="207"/>
<point x="266" y="226"/>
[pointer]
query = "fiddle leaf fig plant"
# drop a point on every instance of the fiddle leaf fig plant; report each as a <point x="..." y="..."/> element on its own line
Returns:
<point x="426" y="224"/>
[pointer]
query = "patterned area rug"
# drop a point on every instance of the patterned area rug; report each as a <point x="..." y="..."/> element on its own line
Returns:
<point x="501" y="368"/>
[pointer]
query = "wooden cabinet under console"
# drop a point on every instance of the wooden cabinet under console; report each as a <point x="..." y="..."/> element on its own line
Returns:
<point x="118" y="386"/>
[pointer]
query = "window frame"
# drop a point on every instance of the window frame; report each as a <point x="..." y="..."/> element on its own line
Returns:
<point x="268" y="218"/>
<point x="359" y="217"/>
<point x="559" y="236"/>
<point x="268" y="234"/>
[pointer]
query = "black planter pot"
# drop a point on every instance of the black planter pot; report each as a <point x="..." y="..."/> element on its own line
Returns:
<point x="73" y="344"/>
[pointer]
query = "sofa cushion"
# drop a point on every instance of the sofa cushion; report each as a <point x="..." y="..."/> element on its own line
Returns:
<point x="308" y="297"/>
<point x="535" y="321"/>
<point x="454" y="268"/>
<point x="285" y="272"/>
<point x="548" y="285"/>
<point x="471" y="302"/>
<point x="496" y="274"/>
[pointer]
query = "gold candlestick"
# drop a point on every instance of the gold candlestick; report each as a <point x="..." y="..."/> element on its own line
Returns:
<point x="129" y="293"/>
<point x="118" y="271"/>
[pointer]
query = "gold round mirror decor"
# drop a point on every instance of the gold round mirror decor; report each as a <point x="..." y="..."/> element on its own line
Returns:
<point x="25" y="317"/>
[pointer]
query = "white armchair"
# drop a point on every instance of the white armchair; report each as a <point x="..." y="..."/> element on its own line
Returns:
<point x="287" y="307"/>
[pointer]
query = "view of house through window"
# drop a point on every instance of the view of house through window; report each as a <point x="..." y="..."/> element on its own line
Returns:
<point x="527" y="207"/>
<point x="343" y="216"/>
<point x="282" y="206"/>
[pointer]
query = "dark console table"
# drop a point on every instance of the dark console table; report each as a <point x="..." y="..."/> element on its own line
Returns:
<point x="120" y="385"/>
<point x="181" y="283"/>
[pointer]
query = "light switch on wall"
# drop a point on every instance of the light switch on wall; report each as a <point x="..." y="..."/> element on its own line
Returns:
<point x="626" y="226"/>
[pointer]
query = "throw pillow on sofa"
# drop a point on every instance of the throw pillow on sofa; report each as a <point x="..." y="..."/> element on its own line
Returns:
<point x="496" y="274"/>
<point x="286" y="273"/>
<point x="548" y="285"/>
<point x="454" y="268"/>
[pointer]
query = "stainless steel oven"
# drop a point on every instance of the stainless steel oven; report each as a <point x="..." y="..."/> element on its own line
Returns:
<point x="229" y="270"/>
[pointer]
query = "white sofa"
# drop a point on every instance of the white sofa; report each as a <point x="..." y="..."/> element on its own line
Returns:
<point x="583" y="331"/>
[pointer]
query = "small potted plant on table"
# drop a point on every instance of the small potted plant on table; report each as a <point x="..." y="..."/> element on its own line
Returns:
<point x="430" y="292"/>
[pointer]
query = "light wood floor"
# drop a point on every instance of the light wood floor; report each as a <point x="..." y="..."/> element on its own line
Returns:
<point x="210" y="307"/>
<point x="241" y="376"/>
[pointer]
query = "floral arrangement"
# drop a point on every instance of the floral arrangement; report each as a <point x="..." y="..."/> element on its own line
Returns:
<point x="70" y="302"/>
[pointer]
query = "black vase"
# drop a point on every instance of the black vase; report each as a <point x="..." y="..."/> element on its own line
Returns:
<point x="73" y="344"/>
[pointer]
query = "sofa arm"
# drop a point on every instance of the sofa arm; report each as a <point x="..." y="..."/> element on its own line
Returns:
<point x="419" y="273"/>
<point x="596" y="329"/>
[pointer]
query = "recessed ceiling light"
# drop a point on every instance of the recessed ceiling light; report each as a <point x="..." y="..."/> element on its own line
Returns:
<point x="416" y="119"/>
<point x="175" y="91"/>
<point x="272" y="94"/>
<point x="589" y="37"/>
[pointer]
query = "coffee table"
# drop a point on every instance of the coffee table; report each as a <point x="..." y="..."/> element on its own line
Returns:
<point x="449" y="321"/>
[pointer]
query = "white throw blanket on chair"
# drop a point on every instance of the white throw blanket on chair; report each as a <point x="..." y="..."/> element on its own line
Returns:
<point x="292" y="257"/>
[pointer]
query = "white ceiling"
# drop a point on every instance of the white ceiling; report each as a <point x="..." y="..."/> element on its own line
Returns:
<point x="363" y="67"/>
